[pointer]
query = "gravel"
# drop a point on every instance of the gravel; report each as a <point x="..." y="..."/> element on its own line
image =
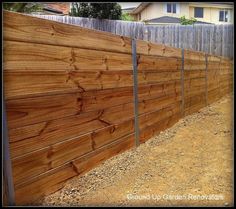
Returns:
<point x="112" y="170"/>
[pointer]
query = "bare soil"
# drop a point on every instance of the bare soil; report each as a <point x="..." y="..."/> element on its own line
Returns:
<point x="189" y="164"/>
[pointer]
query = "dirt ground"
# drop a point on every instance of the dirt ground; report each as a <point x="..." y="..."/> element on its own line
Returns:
<point x="189" y="164"/>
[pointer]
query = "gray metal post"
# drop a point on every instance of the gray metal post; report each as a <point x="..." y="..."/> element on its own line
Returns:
<point x="206" y="78"/>
<point x="7" y="169"/>
<point x="182" y="82"/>
<point x="135" y="89"/>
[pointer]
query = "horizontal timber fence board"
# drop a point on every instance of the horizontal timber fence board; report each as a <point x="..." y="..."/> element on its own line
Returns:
<point x="209" y="38"/>
<point x="70" y="99"/>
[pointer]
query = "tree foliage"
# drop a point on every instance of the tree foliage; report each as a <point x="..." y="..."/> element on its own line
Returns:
<point x="127" y="17"/>
<point x="184" y="21"/>
<point x="110" y="11"/>
<point x="22" y="7"/>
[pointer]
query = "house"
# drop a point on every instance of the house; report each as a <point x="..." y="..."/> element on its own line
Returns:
<point x="127" y="7"/>
<point x="170" y="12"/>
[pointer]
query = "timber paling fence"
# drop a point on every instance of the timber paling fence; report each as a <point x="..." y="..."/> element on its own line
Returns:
<point x="209" y="38"/>
<point x="69" y="95"/>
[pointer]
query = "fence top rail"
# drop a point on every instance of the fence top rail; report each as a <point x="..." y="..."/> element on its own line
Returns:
<point x="35" y="17"/>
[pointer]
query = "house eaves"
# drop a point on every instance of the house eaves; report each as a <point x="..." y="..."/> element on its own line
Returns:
<point x="142" y="6"/>
<point x="139" y="8"/>
<point x="228" y="5"/>
<point x="130" y="8"/>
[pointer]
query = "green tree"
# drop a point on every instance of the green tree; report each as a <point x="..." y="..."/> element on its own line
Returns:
<point x="127" y="17"/>
<point x="184" y="21"/>
<point x="81" y="10"/>
<point x="110" y="11"/>
<point x="22" y="7"/>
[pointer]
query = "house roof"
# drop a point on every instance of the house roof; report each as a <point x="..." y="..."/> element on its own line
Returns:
<point x="130" y="8"/>
<point x="142" y="6"/>
<point x="167" y="19"/>
<point x="57" y="8"/>
<point x="51" y="10"/>
<point x="125" y="5"/>
<point x="139" y="8"/>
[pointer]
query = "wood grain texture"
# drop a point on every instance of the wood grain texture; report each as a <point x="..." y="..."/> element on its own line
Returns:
<point x="157" y="63"/>
<point x="148" y="48"/>
<point x="36" y="163"/>
<point x="193" y="55"/>
<point x="19" y="84"/>
<point x="193" y="109"/>
<point x="208" y="38"/>
<point x="25" y="28"/>
<point x="194" y="74"/>
<point x="69" y="97"/>
<point x="50" y="181"/>
<point x="21" y="112"/>
<point x="91" y="160"/>
<point x="54" y="131"/>
<point x="194" y="103"/>
<point x="36" y="57"/>
<point x="156" y="128"/>
<point x="40" y="161"/>
<point x="194" y="82"/>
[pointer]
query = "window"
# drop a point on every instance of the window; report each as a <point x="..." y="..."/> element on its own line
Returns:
<point x="174" y="8"/>
<point x="168" y="8"/>
<point x="223" y="16"/>
<point x="198" y="12"/>
<point x="171" y="8"/>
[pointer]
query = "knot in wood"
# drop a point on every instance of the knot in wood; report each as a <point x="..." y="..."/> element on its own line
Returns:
<point x="123" y="41"/>
<point x="163" y="49"/>
<point x="149" y="47"/>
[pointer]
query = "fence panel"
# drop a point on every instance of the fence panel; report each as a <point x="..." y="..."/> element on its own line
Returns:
<point x="69" y="95"/>
<point x="214" y="39"/>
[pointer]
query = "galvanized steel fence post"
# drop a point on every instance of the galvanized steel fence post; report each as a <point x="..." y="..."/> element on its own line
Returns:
<point x="135" y="90"/>
<point x="206" y="78"/>
<point x="7" y="169"/>
<point x="182" y="81"/>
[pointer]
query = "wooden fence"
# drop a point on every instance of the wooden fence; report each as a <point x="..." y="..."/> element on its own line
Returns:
<point x="213" y="39"/>
<point x="69" y="97"/>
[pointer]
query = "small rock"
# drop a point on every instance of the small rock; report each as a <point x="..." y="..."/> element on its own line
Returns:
<point x="226" y="204"/>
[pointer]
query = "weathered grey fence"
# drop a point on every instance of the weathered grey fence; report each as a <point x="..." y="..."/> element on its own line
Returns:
<point x="213" y="39"/>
